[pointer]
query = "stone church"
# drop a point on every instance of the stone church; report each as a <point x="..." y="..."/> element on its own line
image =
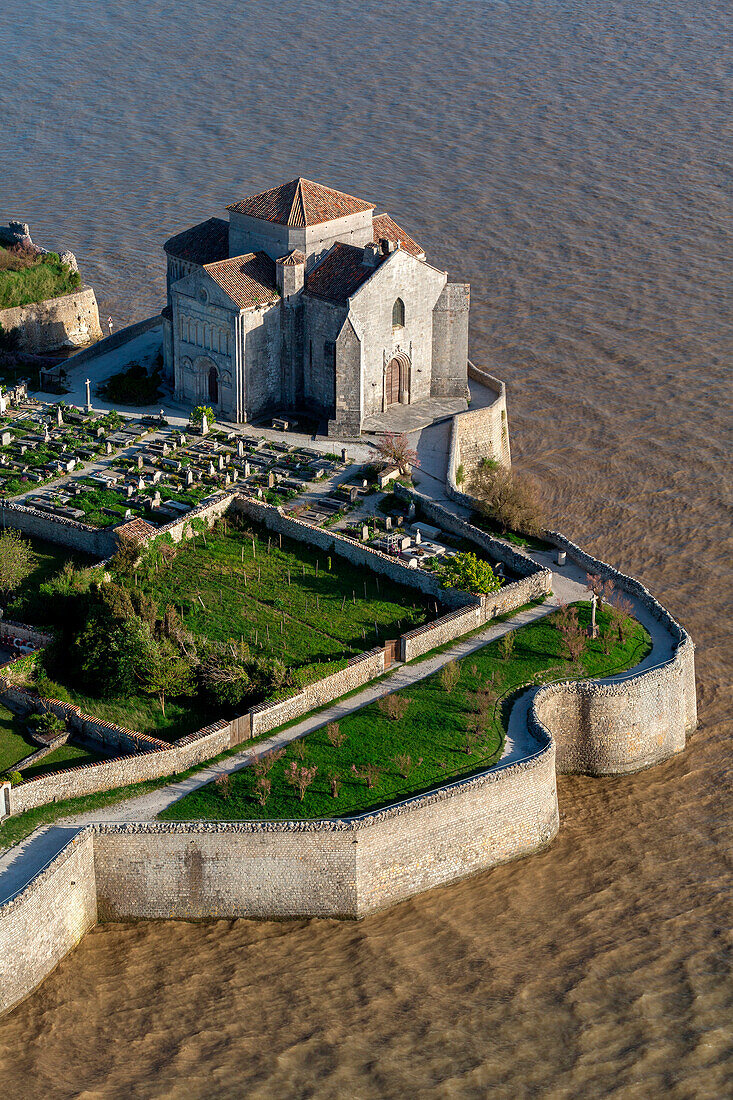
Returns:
<point x="307" y="300"/>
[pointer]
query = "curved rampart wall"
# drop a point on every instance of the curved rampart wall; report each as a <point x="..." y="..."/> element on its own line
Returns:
<point x="608" y="728"/>
<point x="270" y="870"/>
<point x="478" y="433"/>
<point x="68" y="321"/>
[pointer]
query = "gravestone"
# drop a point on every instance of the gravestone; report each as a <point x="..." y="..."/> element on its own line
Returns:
<point x="189" y="478"/>
<point x="388" y="523"/>
<point x="344" y="454"/>
<point x="364" y="533"/>
<point x="240" y="448"/>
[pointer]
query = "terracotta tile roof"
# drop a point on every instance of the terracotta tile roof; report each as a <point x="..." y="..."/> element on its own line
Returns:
<point x="138" y="530"/>
<point x="299" y="203"/>
<point x="201" y="244"/>
<point x="292" y="259"/>
<point x="385" y="226"/>
<point x="339" y="274"/>
<point x="248" y="280"/>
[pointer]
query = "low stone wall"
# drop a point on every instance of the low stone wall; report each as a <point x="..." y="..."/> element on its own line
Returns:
<point x="355" y="552"/>
<point x="117" y="339"/>
<point x="359" y="671"/>
<point x="100" y="543"/>
<point x="120" y="771"/>
<point x="46" y="920"/>
<point x="69" y="321"/>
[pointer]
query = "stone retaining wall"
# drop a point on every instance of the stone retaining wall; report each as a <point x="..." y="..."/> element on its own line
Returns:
<point x="46" y="920"/>
<point x="359" y="671"/>
<point x="100" y="543"/>
<point x="68" y="321"/>
<point x="479" y="433"/>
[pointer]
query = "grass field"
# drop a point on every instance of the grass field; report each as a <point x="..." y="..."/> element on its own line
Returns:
<point x="24" y="279"/>
<point x="432" y="732"/>
<point x="312" y="610"/>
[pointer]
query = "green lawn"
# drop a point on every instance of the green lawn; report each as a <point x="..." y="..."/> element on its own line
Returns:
<point x="45" y="278"/>
<point x="14" y="741"/>
<point x="142" y="713"/>
<point x="312" y="610"/>
<point x="432" y="732"/>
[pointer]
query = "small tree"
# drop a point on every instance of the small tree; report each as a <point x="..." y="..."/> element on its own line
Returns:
<point x="334" y="783"/>
<point x="506" y="645"/>
<point x="263" y="787"/>
<point x="472" y="738"/>
<point x="450" y="674"/>
<point x="263" y="765"/>
<point x="201" y="413"/>
<point x="622" y="611"/>
<point x="395" y="450"/>
<point x="468" y="572"/>
<point x="164" y="670"/>
<point x="224" y="786"/>
<point x="16" y="561"/>
<point x="370" y="773"/>
<point x="300" y="777"/>
<point x="335" y="735"/>
<point x="574" y="638"/>
<point x="394" y="706"/>
<point x="299" y="749"/>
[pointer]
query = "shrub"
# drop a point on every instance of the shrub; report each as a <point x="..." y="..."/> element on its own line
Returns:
<point x="49" y="689"/>
<point x="460" y="474"/>
<point x="334" y="734"/>
<point x="14" y="777"/>
<point x="394" y="706"/>
<point x="506" y="645"/>
<point x="47" y="723"/>
<point x="573" y="636"/>
<point x="450" y="674"/>
<point x="224" y="786"/>
<point x="370" y="773"/>
<point x="467" y="572"/>
<point x="512" y="499"/>
<point x="16" y="561"/>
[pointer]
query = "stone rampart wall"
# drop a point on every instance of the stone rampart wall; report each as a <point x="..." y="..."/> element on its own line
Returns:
<point x="621" y="725"/>
<point x="46" y="920"/>
<point x="68" y="321"/>
<point x="339" y="868"/>
<point x="479" y="433"/>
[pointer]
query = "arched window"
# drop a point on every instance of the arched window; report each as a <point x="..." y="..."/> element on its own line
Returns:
<point x="398" y="314"/>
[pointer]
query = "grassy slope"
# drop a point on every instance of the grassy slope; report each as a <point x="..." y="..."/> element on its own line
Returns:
<point x="26" y="605"/>
<point x="433" y="729"/>
<point x="319" y="627"/>
<point x="44" y="280"/>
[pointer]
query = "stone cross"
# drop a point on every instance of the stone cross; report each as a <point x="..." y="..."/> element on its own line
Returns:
<point x="88" y="405"/>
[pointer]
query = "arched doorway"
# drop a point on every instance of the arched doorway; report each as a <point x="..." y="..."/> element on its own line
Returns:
<point x="397" y="380"/>
<point x="392" y="382"/>
<point x="213" y="386"/>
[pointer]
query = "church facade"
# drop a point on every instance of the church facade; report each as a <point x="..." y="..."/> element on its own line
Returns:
<point x="307" y="300"/>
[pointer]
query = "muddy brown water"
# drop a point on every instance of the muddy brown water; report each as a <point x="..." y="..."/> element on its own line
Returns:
<point x="572" y="160"/>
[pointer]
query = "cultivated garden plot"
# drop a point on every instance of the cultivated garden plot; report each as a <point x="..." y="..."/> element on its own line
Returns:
<point x="311" y="609"/>
<point x="449" y="725"/>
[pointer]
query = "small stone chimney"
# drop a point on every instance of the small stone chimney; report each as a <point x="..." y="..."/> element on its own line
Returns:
<point x="372" y="254"/>
<point x="290" y="273"/>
